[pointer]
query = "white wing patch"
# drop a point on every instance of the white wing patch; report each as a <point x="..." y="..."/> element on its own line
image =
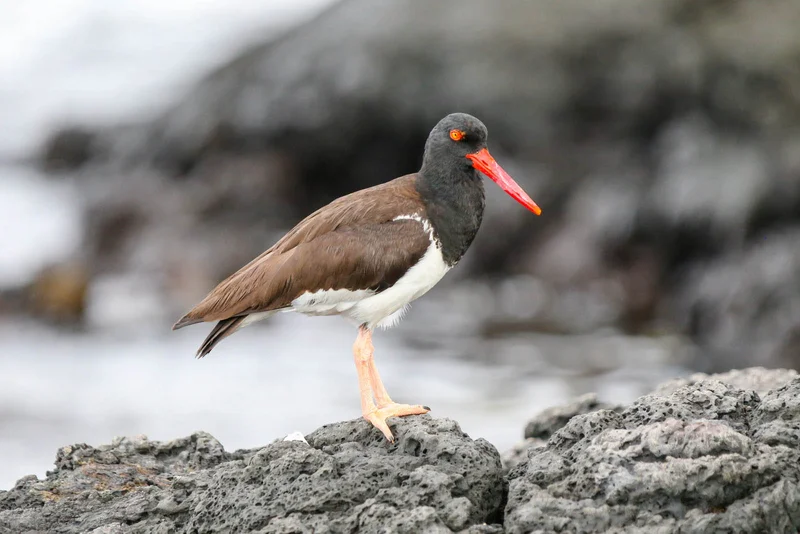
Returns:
<point x="329" y="301"/>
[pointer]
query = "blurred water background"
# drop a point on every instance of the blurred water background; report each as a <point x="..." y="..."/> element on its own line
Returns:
<point x="148" y="149"/>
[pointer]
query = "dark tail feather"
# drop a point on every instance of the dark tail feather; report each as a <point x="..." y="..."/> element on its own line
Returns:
<point x="222" y="330"/>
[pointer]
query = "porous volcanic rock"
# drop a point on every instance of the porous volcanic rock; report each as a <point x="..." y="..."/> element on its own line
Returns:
<point x="341" y="478"/>
<point x="704" y="457"/>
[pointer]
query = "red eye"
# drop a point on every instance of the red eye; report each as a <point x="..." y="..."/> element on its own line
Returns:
<point x="456" y="135"/>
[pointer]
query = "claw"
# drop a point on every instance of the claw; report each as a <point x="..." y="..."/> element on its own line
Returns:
<point x="379" y="416"/>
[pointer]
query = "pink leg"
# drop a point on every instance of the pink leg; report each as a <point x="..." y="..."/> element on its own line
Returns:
<point x="369" y="383"/>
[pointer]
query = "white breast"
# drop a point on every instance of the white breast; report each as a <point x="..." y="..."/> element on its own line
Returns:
<point x="387" y="307"/>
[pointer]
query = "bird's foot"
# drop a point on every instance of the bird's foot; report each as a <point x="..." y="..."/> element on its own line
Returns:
<point x="378" y="416"/>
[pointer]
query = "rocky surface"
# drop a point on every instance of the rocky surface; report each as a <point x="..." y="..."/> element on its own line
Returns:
<point x="758" y="379"/>
<point x="660" y="138"/>
<point x="553" y="419"/>
<point x="547" y="422"/>
<point x="706" y="456"/>
<point x="341" y="478"/>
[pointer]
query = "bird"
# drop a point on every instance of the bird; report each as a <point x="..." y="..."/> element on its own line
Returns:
<point x="367" y="255"/>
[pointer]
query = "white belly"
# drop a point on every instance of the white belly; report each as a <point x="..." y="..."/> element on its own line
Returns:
<point x="387" y="307"/>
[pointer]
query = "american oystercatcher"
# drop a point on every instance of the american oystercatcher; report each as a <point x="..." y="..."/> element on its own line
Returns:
<point x="368" y="254"/>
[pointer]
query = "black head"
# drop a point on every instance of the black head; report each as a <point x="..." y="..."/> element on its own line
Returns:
<point x="456" y="148"/>
<point x="455" y="136"/>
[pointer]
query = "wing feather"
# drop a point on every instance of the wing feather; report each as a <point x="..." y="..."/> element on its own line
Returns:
<point x="353" y="243"/>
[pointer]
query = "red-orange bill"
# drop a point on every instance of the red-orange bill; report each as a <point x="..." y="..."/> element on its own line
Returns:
<point x="484" y="162"/>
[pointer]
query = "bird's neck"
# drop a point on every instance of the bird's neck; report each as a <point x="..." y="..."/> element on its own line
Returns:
<point x="454" y="200"/>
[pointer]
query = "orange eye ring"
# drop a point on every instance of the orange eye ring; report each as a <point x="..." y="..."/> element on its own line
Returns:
<point x="456" y="135"/>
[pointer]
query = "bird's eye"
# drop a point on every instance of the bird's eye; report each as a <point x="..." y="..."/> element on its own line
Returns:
<point x="457" y="135"/>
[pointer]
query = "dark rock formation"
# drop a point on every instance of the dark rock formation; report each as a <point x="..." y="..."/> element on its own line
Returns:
<point x="659" y="137"/>
<point x="704" y="457"/>
<point x="345" y="477"/>
<point x="544" y="425"/>
<point x="68" y="149"/>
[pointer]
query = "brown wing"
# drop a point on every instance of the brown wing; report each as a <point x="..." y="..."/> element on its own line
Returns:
<point x="352" y="243"/>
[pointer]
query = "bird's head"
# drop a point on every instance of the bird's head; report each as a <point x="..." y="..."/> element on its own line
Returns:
<point x="460" y="139"/>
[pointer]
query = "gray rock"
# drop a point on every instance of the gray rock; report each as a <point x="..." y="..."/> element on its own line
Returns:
<point x="547" y="422"/>
<point x="702" y="457"/>
<point x="519" y="453"/>
<point x="551" y="420"/>
<point x="705" y="457"/>
<point x="758" y="379"/>
<point x="120" y="487"/>
<point x="345" y="478"/>
<point x="68" y="149"/>
<point x="743" y="307"/>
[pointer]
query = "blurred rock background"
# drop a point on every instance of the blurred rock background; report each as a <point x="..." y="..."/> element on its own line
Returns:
<point x="661" y="138"/>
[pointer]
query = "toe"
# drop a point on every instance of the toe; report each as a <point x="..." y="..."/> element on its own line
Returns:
<point x="399" y="410"/>
<point x="380" y="415"/>
<point x="379" y="422"/>
<point x="405" y="409"/>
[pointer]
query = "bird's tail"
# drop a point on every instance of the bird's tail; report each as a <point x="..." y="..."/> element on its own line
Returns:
<point x="223" y="329"/>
